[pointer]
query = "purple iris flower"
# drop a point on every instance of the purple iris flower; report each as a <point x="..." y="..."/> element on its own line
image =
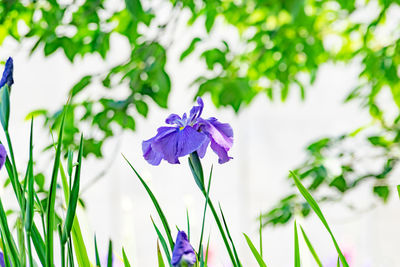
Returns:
<point x="3" y="155"/>
<point x="187" y="135"/>
<point x="7" y="77"/>
<point x="183" y="254"/>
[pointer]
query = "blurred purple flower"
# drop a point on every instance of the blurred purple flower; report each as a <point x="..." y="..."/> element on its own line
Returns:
<point x="183" y="254"/>
<point x="3" y="155"/>
<point x="187" y="135"/>
<point x="2" y="263"/>
<point x="7" y="77"/>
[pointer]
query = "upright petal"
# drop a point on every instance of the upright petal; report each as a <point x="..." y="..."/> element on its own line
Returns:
<point x="196" y="111"/>
<point x="153" y="157"/>
<point x="183" y="251"/>
<point x="174" y="119"/>
<point x="7" y="77"/>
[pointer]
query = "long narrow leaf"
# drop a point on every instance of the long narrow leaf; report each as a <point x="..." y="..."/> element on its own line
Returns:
<point x="204" y="214"/>
<point x="98" y="264"/>
<point x="296" y="247"/>
<point x="162" y="240"/>
<point x="73" y="200"/>
<point x="318" y="211"/>
<point x="230" y="237"/>
<point x="156" y="205"/>
<point x="125" y="258"/>
<point x="110" y="254"/>
<point x="253" y="249"/>
<point x="311" y="248"/>
<point x="52" y="198"/>
<point x="80" y="249"/>
<point x="159" y="257"/>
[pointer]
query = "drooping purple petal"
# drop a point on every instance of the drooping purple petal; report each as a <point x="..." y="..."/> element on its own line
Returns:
<point x="203" y="148"/>
<point x="183" y="251"/>
<point x="178" y="143"/>
<point x="3" y="155"/>
<point x="221" y="135"/>
<point x="152" y="156"/>
<point x="7" y="77"/>
<point x="220" y="151"/>
<point x="2" y="263"/>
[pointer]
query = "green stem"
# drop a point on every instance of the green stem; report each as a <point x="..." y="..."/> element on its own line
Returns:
<point x="197" y="171"/>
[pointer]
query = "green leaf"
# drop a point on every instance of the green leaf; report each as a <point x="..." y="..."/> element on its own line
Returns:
<point x="156" y="205"/>
<point x="382" y="191"/>
<point x="142" y="107"/>
<point x="79" y="86"/>
<point x="162" y="240"/>
<point x="52" y="198"/>
<point x="311" y="248"/>
<point x="296" y="247"/>
<point x="125" y="258"/>
<point x="253" y="249"/>
<point x="30" y="182"/>
<point x="318" y="211"/>
<point x="190" y="48"/>
<point x="110" y="255"/>
<point x="98" y="264"/>
<point x="398" y="190"/>
<point x="73" y="200"/>
<point x="135" y="8"/>
<point x="230" y="237"/>
<point x="159" y="256"/>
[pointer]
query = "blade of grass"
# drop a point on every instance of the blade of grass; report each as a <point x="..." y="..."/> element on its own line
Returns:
<point x="77" y="239"/>
<point x="110" y="254"/>
<point x="125" y="258"/>
<point x="318" y="211"/>
<point x="69" y="219"/>
<point x="71" y="253"/>
<point x="62" y="246"/>
<point x="296" y="247"/>
<point x="52" y="198"/>
<point x="162" y="240"/>
<point x="156" y="205"/>
<point x="260" y="233"/>
<point x="159" y="256"/>
<point x="229" y="236"/>
<point x="253" y="249"/>
<point x="30" y="201"/>
<point x="310" y="247"/>
<point x="98" y="264"/>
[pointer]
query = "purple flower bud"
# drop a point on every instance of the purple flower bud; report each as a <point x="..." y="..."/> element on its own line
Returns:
<point x="7" y="77"/>
<point x="187" y="135"/>
<point x="183" y="254"/>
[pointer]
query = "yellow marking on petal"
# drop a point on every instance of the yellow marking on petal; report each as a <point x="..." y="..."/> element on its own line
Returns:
<point x="181" y="128"/>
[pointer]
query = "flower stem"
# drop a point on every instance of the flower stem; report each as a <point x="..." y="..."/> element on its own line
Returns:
<point x="197" y="171"/>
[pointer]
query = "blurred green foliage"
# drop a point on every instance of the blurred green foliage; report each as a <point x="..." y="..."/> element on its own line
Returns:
<point x="282" y="46"/>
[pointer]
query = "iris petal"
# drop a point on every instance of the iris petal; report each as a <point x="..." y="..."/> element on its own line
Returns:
<point x="149" y="154"/>
<point x="183" y="251"/>
<point x="174" y="119"/>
